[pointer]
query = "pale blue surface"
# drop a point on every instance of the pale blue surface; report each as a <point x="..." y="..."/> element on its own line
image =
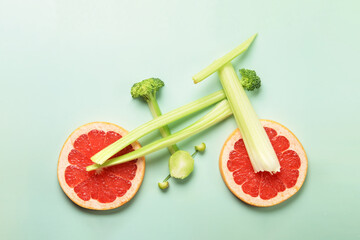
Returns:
<point x="66" y="63"/>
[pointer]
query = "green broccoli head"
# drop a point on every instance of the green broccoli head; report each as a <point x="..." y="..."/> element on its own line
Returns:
<point x="249" y="80"/>
<point x="146" y="88"/>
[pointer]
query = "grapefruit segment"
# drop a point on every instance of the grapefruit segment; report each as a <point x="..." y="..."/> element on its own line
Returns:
<point x="270" y="132"/>
<point x="263" y="188"/>
<point x="280" y="143"/>
<point x="75" y="175"/>
<point x="111" y="137"/>
<point x="77" y="158"/>
<point x="82" y="144"/>
<point x="97" y="140"/>
<point x="240" y="177"/>
<point x="105" y="188"/>
<point x="288" y="177"/>
<point x="126" y="170"/>
<point x="289" y="159"/>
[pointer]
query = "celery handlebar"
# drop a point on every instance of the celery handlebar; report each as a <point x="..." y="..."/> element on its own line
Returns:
<point x="217" y="64"/>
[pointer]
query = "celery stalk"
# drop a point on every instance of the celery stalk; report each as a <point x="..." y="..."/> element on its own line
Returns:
<point x="257" y="143"/>
<point x="213" y="67"/>
<point x="156" y="123"/>
<point x="217" y="114"/>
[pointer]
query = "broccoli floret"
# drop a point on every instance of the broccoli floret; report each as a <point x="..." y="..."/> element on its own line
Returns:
<point x="249" y="80"/>
<point x="146" y="88"/>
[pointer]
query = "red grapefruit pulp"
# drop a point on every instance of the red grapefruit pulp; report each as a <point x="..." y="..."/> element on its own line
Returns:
<point x="264" y="189"/>
<point x="105" y="188"/>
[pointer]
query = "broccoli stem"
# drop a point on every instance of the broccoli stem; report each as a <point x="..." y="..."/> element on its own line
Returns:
<point x="217" y="114"/>
<point x="258" y="146"/>
<point x="156" y="123"/>
<point x="164" y="131"/>
<point x="167" y="178"/>
<point x="194" y="153"/>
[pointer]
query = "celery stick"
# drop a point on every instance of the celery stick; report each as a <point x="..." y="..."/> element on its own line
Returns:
<point x="154" y="124"/>
<point x="213" y="67"/>
<point x="217" y="114"/>
<point x="257" y="143"/>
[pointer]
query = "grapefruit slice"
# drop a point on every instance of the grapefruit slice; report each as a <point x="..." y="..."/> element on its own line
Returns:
<point x="263" y="189"/>
<point x="104" y="188"/>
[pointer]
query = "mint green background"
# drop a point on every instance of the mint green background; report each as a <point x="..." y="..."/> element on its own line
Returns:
<point x="66" y="63"/>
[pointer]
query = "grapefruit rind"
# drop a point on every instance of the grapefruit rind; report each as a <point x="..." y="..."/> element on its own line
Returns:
<point x="281" y="196"/>
<point x="63" y="163"/>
